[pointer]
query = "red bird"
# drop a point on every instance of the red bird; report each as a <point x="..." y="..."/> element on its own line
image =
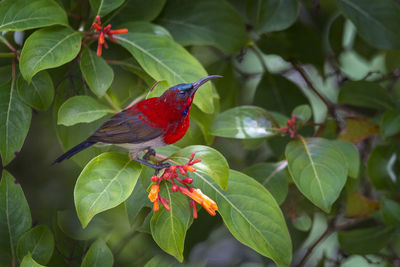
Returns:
<point x="151" y="123"/>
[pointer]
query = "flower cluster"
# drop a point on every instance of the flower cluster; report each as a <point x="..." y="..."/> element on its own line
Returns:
<point x="105" y="32"/>
<point x="290" y="129"/>
<point x="171" y="174"/>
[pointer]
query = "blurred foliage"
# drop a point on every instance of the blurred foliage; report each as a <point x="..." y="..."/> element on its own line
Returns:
<point x="299" y="140"/>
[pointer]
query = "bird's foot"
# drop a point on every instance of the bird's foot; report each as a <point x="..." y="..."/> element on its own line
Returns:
<point x="150" y="153"/>
<point x="157" y="166"/>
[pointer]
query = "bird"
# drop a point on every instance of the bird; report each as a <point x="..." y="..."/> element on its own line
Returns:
<point x="151" y="123"/>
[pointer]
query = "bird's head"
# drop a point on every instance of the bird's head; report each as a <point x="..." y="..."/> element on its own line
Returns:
<point x="181" y="95"/>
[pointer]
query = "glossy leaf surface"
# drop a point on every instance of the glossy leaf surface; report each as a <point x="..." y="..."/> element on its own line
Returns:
<point x="244" y="122"/>
<point x="104" y="183"/>
<point x="48" y="48"/>
<point x="39" y="242"/>
<point x="79" y="109"/>
<point x="318" y="168"/>
<point x="18" y="15"/>
<point x="15" y="218"/>
<point x="15" y="118"/>
<point x="97" y="73"/>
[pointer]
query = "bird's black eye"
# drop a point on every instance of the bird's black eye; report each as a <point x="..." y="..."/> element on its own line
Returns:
<point x="182" y="92"/>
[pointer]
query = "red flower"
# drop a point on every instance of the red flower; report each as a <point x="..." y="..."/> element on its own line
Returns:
<point x="105" y="32"/>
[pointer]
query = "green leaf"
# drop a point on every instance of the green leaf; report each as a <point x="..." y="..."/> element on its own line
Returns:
<point x="381" y="167"/>
<point x="97" y="73"/>
<point x="303" y="113"/>
<point x="164" y="59"/>
<point x="244" y="122"/>
<point x="390" y="211"/>
<point x="273" y="176"/>
<point x="15" y="218"/>
<point x="390" y="123"/>
<point x="169" y="228"/>
<point x="39" y="242"/>
<point x="39" y="93"/>
<point x="98" y="255"/>
<point x="140" y="10"/>
<point x="103" y="7"/>
<point x="19" y="15"/>
<point x="15" y="118"/>
<point x="212" y="164"/>
<point x="208" y="22"/>
<point x="27" y="261"/>
<point x="104" y="183"/>
<point x="277" y="93"/>
<point x="318" y="169"/>
<point x="251" y="214"/>
<point x="378" y="22"/>
<point x="352" y="156"/>
<point x="272" y="15"/>
<point x="79" y="109"/>
<point x="162" y="261"/>
<point x="48" y="48"/>
<point x="365" y="94"/>
<point x="146" y="27"/>
<point x="366" y="240"/>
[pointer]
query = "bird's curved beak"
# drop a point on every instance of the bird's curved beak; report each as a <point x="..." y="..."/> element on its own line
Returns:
<point x="202" y="81"/>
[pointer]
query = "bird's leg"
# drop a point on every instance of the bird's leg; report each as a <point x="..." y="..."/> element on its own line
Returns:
<point x="150" y="155"/>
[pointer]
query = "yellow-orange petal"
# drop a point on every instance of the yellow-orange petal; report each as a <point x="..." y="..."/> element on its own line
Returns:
<point x="192" y="195"/>
<point x="190" y="168"/>
<point x="153" y="195"/>
<point x="156" y="206"/>
<point x="208" y="204"/>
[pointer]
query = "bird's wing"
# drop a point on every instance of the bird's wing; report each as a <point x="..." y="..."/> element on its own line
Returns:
<point x="125" y="128"/>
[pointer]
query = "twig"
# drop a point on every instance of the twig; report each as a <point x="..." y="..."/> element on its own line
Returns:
<point x="329" y="230"/>
<point x="307" y="79"/>
<point x="4" y="40"/>
<point x="258" y="53"/>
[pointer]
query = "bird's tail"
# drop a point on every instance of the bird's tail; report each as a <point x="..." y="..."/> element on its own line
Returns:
<point x="73" y="151"/>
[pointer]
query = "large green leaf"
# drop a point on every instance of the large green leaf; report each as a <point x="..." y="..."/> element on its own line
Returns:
<point x="366" y="240"/>
<point x="273" y="176"/>
<point x="39" y="242"/>
<point x="208" y="22"/>
<point x="104" y="183"/>
<point x="49" y="48"/>
<point x="245" y="122"/>
<point x="103" y="7"/>
<point x="390" y="211"/>
<point x="98" y="255"/>
<point x="168" y="228"/>
<point x="137" y="200"/>
<point x="277" y="93"/>
<point x="251" y="214"/>
<point x="97" y="73"/>
<point x="15" y="118"/>
<point x="79" y="109"/>
<point x="15" y="218"/>
<point x="378" y="22"/>
<point x="28" y="261"/>
<point x="212" y="164"/>
<point x="18" y="15"/>
<point x="318" y="168"/>
<point x="365" y="94"/>
<point x="272" y="15"/>
<point x="39" y="93"/>
<point x="164" y="59"/>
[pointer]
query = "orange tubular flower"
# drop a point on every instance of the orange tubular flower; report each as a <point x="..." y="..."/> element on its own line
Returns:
<point x="153" y="195"/>
<point x="208" y="204"/>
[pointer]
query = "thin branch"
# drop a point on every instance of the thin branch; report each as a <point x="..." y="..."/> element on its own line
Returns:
<point x="259" y="55"/>
<point x="329" y="230"/>
<point x="307" y="79"/>
<point x="4" y="40"/>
